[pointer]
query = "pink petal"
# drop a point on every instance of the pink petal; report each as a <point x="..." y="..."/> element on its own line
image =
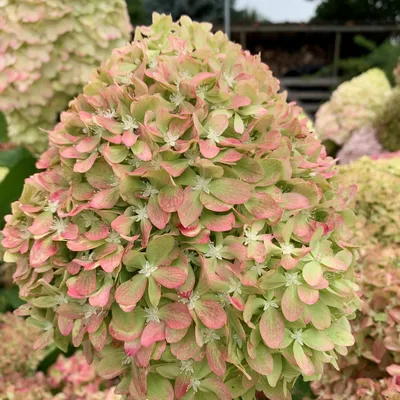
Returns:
<point x="98" y="231"/>
<point x="170" y="277"/>
<point x="158" y="217"/>
<point x="41" y="224"/>
<point x="262" y="206"/>
<point x="105" y="199"/>
<point x="211" y="314"/>
<point x="231" y="191"/>
<point x="294" y="201"/>
<point x="208" y="148"/>
<point x="171" y="198"/>
<point x="41" y="251"/>
<point x="176" y="316"/>
<point x="272" y="328"/>
<point x="130" y="292"/>
<point x="191" y="207"/>
<point x="215" y="359"/>
<point x="84" y="165"/>
<point x="218" y="223"/>
<point x="153" y="332"/>
<point x="129" y="138"/>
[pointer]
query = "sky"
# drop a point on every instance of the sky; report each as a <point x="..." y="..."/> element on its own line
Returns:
<point x="281" y="10"/>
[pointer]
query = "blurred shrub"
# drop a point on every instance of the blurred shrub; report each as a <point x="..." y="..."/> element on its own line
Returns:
<point x="389" y="122"/>
<point x="47" y="52"/>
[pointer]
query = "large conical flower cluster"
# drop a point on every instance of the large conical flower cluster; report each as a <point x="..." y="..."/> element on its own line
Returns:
<point x="47" y="51"/>
<point x="187" y="228"/>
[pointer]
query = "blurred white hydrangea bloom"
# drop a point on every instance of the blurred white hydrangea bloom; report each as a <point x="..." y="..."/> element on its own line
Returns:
<point x="48" y="49"/>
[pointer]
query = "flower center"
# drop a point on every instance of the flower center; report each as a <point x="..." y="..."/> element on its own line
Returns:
<point x="147" y="270"/>
<point x="250" y="236"/>
<point x="187" y="367"/>
<point x="171" y="138"/>
<point x="258" y="268"/>
<point x="191" y="301"/>
<point x="292" y="279"/>
<point x="59" y="225"/>
<point x="210" y="335"/>
<point x="287" y="249"/>
<point x="149" y="191"/>
<point x="113" y="237"/>
<point x="214" y="251"/>
<point x="270" y="303"/>
<point x="235" y="286"/>
<point x="211" y="134"/>
<point x="141" y="214"/>
<point x="176" y="99"/>
<point x="152" y="314"/>
<point x="194" y="384"/>
<point x="202" y="184"/>
<point x="297" y="336"/>
<point x="129" y="123"/>
<point x="51" y="206"/>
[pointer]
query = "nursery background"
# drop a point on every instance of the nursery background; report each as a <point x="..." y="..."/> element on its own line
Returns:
<point x="304" y="272"/>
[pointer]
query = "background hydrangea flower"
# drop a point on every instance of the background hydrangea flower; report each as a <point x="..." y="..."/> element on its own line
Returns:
<point x="16" y="351"/>
<point x="354" y="104"/>
<point x="371" y="369"/>
<point x="377" y="199"/>
<point x="47" y="52"/>
<point x="362" y="142"/>
<point x="68" y="379"/>
<point x="187" y="228"/>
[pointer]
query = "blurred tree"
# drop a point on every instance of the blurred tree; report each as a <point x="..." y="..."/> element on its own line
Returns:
<point x="383" y="11"/>
<point x="199" y="10"/>
<point x="136" y="11"/>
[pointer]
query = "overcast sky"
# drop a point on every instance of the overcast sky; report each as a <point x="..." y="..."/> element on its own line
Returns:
<point x="281" y="10"/>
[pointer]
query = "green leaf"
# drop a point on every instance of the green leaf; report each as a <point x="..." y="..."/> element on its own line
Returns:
<point x="320" y="315"/>
<point x="3" y="129"/>
<point x="159" y="249"/>
<point x="340" y="336"/>
<point x="22" y="165"/>
<point x="317" y="340"/>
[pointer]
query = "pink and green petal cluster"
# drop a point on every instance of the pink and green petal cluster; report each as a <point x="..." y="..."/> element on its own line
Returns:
<point x="68" y="379"/>
<point x="354" y="104"/>
<point x="371" y="370"/>
<point x="187" y="228"/>
<point x="47" y="52"/>
<point x="16" y="352"/>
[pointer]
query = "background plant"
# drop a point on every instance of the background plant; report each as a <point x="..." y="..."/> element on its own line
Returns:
<point x="47" y="52"/>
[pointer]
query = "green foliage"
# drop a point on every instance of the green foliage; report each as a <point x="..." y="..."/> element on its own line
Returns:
<point x="383" y="11"/>
<point x="198" y="10"/>
<point x="3" y="128"/>
<point x="384" y="56"/>
<point x="389" y="122"/>
<point x="21" y="164"/>
<point x="135" y="11"/>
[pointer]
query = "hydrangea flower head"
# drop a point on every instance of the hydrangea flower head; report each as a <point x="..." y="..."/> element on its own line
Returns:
<point x="354" y="104"/>
<point x="47" y="52"/>
<point x="202" y="227"/>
